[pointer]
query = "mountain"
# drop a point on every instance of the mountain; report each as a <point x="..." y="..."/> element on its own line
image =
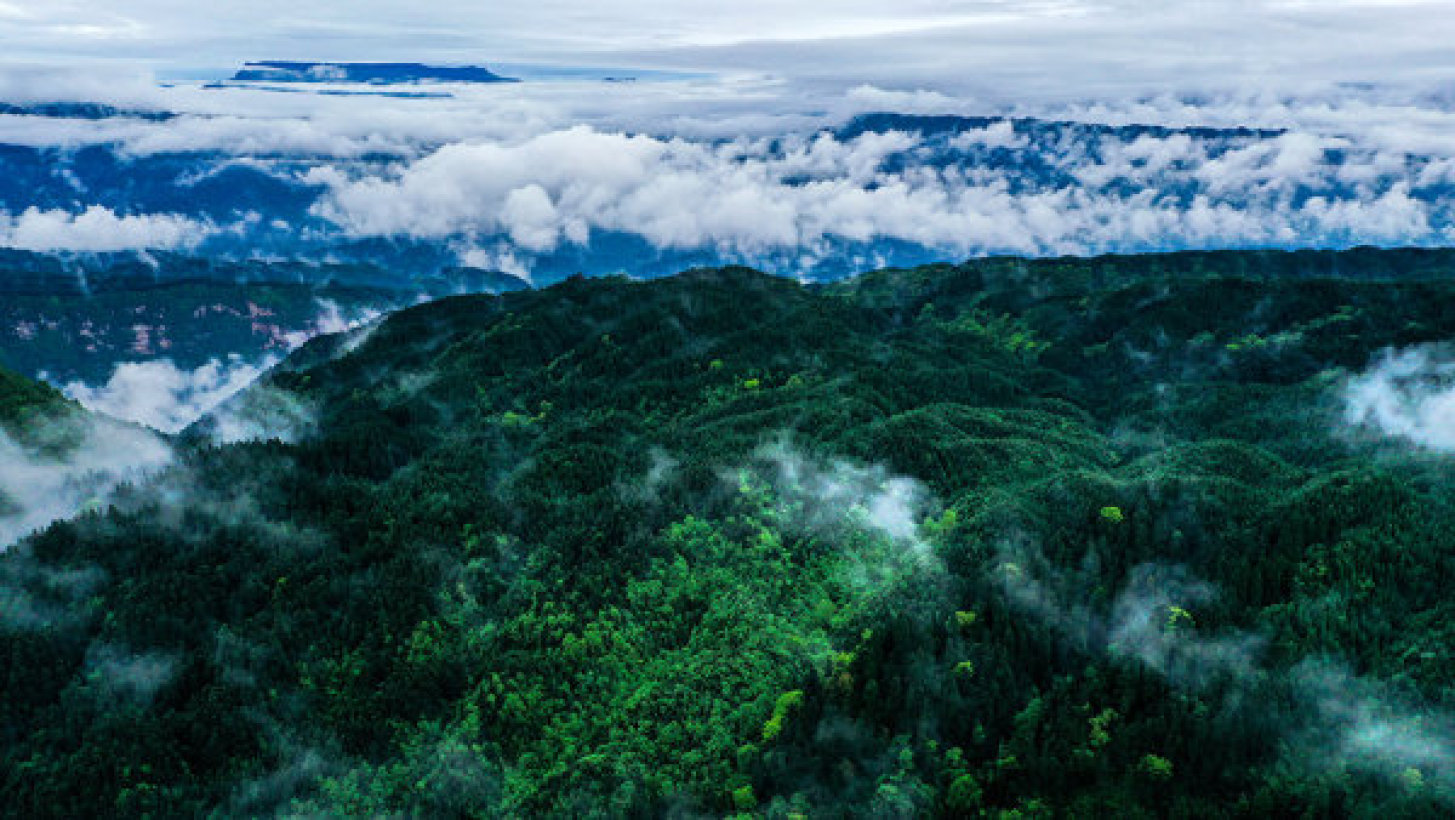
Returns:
<point x="78" y="318"/>
<point x="1082" y="537"/>
<point x="21" y="398"/>
<point x="282" y="71"/>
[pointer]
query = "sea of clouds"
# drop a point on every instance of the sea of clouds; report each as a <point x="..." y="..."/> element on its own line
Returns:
<point x="737" y="168"/>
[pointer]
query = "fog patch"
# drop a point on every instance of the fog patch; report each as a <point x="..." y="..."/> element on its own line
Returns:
<point x="333" y="318"/>
<point x="870" y="516"/>
<point x="68" y="465"/>
<point x="271" y="794"/>
<point x="33" y="596"/>
<point x="1333" y="719"/>
<point x="823" y="496"/>
<point x="261" y="413"/>
<point x="661" y="472"/>
<point x="116" y="673"/>
<point x="165" y="397"/>
<point x="1366" y="726"/>
<point x="1407" y="394"/>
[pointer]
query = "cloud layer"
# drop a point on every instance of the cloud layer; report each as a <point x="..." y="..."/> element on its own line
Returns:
<point x="98" y="229"/>
<point x="167" y="398"/>
<point x="1002" y="188"/>
<point x="554" y="176"/>
<point x="1011" y="50"/>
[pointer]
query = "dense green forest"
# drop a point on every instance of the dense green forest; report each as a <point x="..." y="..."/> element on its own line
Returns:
<point x="1076" y="537"/>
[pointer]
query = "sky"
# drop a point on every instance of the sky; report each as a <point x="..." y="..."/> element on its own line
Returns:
<point x="995" y="48"/>
<point x="724" y="157"/>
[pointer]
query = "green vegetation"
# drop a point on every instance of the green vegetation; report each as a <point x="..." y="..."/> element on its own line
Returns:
<point x="1005" y="539"/>
<point x="21" y="399"/>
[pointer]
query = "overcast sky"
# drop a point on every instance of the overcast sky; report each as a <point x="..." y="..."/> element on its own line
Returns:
<point x="1065" y="48"/>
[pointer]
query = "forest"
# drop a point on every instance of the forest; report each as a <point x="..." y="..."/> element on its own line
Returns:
<point x="1137" y="536"/>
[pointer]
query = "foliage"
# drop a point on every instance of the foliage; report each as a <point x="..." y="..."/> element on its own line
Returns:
<point x="727" y="544"/>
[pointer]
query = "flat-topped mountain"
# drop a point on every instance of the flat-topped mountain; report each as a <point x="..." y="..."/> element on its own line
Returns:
<point x="284" y="71"/>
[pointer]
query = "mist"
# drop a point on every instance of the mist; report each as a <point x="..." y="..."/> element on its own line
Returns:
<point x="69" y="464"/>
<point x="1407" y="395"/>
<point x="1338" y="720"/>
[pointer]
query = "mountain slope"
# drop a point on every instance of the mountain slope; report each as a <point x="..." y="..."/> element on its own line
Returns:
<point x="1078" y="536"/>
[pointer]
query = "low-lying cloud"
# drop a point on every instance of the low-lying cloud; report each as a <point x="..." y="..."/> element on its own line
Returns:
<point x="67" y="465"/>
<point x="994" y="189"/>
<point x="1339" y="720"/>
<point x="843" y="502"/>
<point x="98" y="229"/>
<point x="1409" y="395"/>
<point x="165" y="397"/>
<point x="755" y="171"/>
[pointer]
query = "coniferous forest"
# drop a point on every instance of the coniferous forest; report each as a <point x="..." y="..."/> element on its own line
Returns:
<point x="1150" y="536"/>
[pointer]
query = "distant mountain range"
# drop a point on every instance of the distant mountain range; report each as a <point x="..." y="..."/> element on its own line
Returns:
<point x="982" y="185"/>
<point x="283" y="71"/>
<point x="79" y="318"/>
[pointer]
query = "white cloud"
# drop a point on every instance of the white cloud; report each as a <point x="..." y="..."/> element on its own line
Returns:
<point x="1407" y="394"/>
<point x="98" y="229"/>
<point x="754" y="196"/>
<point x="68" y="464"/>
<point x="160" y="395"/>
<point x="164" y="397"/>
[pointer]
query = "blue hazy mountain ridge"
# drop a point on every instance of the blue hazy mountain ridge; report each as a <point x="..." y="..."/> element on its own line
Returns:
<point x="286" y="71"/>
<point x="29" y="272"/>
<point x="79" y="318"/>
<point x="81" y="111"/>
<point x="269" y="204"/>
<point x="880" y="122"/>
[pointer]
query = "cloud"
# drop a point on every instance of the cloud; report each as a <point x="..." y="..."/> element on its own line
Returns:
<point x="117" y="673"/>
<point x="358" y="321"/>
<point x="260" y="413"/>
<point x="69" y="464"/>
<point x="1365" y="726"/>
<point x="708" y="165"/>
<point x="871" y="517"/>
<point x="98" y="229"/>
<point x="1011" y="50"/>
<point x="826" y="497"/>
<point x="168" y="398"/>
<point x="33" y="596"/>
<point x="1407" y="394"/>
<point x="163" y="396"/>
<point x="1060" y="190"/>
<point x="45" y="81"/>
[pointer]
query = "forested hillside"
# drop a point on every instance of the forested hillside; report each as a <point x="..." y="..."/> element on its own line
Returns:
<point x="1124" y="537"/>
